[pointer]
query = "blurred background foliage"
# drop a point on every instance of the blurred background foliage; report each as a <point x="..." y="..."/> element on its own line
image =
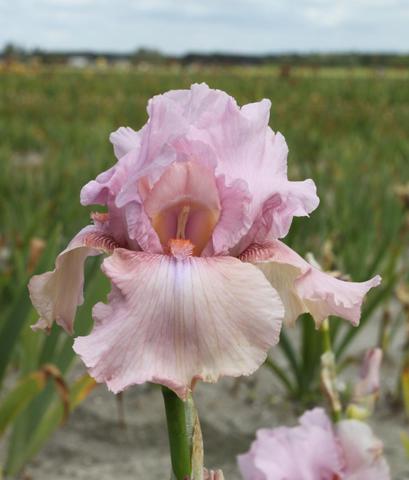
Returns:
<point x="346" y="129"/>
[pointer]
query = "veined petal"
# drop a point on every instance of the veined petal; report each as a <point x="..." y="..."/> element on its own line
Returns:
<point x="304" y="288"/>
<point x="57" y="294"/>
<point x="173" y="321"/>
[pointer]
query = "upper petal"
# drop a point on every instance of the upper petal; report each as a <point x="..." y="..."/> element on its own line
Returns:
<point x="234" y="221"/>
<point x="124" y="140"/>
<point x="184" y="185"/>
<point x="108" y="184"/>
<point x="304" y="288"/>
<point x="173" y="321"/>
<point x="57" y="294"/>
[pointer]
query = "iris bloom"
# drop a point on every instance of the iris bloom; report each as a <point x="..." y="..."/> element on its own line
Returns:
<point x="316" y="450"/>
<point x="195" y="207"/>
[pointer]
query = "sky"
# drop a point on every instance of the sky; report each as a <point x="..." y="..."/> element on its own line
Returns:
<point x="180" y="26"/>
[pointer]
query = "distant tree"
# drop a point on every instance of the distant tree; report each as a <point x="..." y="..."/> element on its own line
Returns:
<point x="148" y="55"/>
<point x="13" y="52"/>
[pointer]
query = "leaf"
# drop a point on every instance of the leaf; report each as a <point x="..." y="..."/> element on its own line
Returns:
<point x="19" y="397"/>
<point x="53" y="418"/>
<point x="20" y="309"/>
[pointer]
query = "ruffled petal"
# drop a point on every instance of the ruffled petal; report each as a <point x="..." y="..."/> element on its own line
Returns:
<point x="172" y="321"/>
<point x="234" y="221"/>
<point x="363" y="452"/>
<point x="124" y="140"/>
<point x="249" y="150"/>
<point x="57" y="294"/>
<point x="308" y="451"/>
<point x="108" y="184"/>
<point x="184" y="185"/>
<point x="304" y="288"/>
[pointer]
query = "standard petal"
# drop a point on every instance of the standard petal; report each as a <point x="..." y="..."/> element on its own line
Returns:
<point x="124" y="140"/>
<point x="304" y="288"/>
<point x="173" y="321"/>
<point x="234" y="221"/>
<point x="184" y="185"/>
<point x="57" y="294"/>
<point x="108" y="184"/>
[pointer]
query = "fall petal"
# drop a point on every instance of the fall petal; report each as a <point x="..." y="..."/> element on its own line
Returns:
<point x="173" y="321"/>
<point x="57" y="294"/>
<point x="304" y="288"/>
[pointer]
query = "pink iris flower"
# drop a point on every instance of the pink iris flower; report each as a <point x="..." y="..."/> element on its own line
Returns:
<point x="195" y="207"/>
<point x="316" y="450"/>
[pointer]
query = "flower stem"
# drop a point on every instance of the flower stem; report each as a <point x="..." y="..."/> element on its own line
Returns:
<point x="180" y="429"/>
<point x="326" y="336"/>
<point x="329" y="372"/>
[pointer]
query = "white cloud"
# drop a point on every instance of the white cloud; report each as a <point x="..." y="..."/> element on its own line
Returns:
<point x="176" y="26"/>
<point x="331" y="16"/>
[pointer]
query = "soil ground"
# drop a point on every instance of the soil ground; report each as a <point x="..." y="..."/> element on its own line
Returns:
<point x="94" y="446"/>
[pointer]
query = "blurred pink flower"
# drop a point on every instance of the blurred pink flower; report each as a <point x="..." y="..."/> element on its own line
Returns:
<point x="198" y="197"/>
<point x="315" y="450"/>
<point x="369" y="381"/>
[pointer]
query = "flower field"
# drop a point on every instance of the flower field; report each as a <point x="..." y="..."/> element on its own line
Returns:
<point x="346" y="129"/>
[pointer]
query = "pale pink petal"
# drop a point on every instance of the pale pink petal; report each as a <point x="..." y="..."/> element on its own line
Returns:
<point x="124" y="140"/>
<point x="140" y="228"/>
<point x="200" y="105"/>
<point x="316" y="418"/>
<point x="57" y="294"/>
<point x="162" y="183"/>
<point x="247" y="465"/>
<point x="369" y="381"/>
<point x="305" y="452"/>
<point x="108" y="184"/>
<point x="173" y="321"/>
<point x="246" y="149"/>
<point x="234" y="220"/>
<point x="363" y="451"/>
<point x="250" y="150"/>
<point x="304" y="288"/>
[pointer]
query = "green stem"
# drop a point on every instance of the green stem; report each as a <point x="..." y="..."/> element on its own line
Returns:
<point x="329" y="371"/>
<point x="326" y="336"/>
<point x="180" y="431"/>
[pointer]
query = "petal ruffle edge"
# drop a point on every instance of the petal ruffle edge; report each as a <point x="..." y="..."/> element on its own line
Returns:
<point x="173" y="322"/>
<point x="57" y="294"/>
<point x="304" y="288"/>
